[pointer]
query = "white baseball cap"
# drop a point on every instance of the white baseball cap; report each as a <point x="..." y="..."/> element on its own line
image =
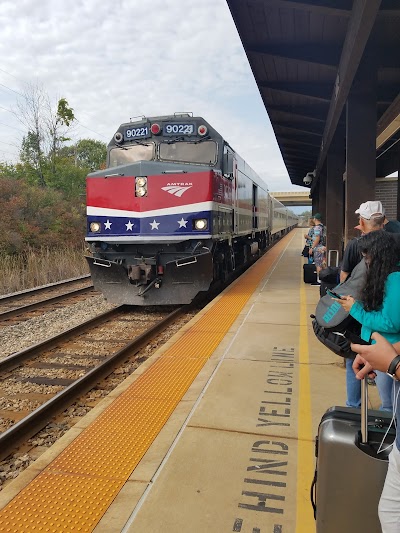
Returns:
<point x="371" y="209"/>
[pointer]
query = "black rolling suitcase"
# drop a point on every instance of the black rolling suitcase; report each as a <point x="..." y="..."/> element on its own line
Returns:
<point x="349" y="473"/>
<point x="310" y="273"/>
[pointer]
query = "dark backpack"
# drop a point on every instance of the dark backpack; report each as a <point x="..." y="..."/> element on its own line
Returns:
<point x="331" y="321"/>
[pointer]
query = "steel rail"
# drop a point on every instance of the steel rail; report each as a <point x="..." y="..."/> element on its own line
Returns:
<point x="17" y="358"/>
<point x="37" y="419"/>
<point x="36" y="305"/>
<point x="36" y="290"/>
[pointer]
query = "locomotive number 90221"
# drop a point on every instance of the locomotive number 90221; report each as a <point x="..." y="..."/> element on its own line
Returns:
<point x="136" y="133"/>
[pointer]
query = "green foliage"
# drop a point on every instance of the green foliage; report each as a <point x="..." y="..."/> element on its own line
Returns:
<point x="86" y="153"/>
<point x="36" y="217"/>
<point x="91" y="154"/>
<point x="42" y="196"/>
<point x="65" y="114"/>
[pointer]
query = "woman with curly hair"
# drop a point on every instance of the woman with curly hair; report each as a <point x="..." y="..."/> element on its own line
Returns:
<point x="379" y="306"/>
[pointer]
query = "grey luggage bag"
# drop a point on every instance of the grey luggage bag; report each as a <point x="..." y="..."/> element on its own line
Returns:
<point x="350" y="472"/>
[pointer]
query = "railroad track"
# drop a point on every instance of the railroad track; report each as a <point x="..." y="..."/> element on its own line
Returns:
<point x="21" y="306"/>
<point x="39" y="382"/>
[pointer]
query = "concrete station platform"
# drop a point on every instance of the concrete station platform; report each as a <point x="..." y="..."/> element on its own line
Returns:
<point x="215" y="432"/>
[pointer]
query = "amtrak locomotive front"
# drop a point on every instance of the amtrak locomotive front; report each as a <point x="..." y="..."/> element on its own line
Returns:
<point x="175" y="209"/>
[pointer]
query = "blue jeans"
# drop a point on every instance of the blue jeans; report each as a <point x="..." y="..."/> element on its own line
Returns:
<point x="353" y="386"/>
<point x="385" y="389"/>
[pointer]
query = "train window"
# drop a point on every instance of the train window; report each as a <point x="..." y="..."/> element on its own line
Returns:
<point x="131" y="154"/>
<point x="204" y="152"/>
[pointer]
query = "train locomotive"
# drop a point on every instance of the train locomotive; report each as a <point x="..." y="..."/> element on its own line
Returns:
<point x="176" y="209"/>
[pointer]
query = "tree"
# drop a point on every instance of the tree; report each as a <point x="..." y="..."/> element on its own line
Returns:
<point x="30" y="114"/>
<point x="47" y="131"/>
<point x="91" y="154"/>
<point x="57" y="124"/>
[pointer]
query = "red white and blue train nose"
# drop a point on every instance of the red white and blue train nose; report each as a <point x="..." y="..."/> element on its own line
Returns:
<point x="118" y="210"/>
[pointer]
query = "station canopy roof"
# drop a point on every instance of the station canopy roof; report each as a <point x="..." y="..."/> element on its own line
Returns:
<point x="304" y="55"/>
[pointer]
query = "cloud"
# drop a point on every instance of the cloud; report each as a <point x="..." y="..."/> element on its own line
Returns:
<point x="115" y="60"/>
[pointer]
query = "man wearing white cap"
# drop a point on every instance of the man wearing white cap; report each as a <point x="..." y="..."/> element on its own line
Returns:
<point x="371" y="218"/>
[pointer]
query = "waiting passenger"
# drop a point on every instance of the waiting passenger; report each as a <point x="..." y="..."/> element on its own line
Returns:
<point x="371" y="217"/>
<point x="382" y="356"/>
<point x="309" y="240"/>
<point x="379" y="305"/>
<point x="318" y="247"/>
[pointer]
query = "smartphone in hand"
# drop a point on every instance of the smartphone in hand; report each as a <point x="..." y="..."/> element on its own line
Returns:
<point x="333" y="294"/>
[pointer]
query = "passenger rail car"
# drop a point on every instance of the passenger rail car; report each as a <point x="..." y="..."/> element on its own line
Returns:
<point x="175" y="209"/>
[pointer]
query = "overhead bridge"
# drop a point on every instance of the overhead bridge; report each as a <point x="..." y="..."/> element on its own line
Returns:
<point x="293" y="198"/>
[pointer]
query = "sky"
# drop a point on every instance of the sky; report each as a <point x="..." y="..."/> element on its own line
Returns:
<point x="114" y="60"/>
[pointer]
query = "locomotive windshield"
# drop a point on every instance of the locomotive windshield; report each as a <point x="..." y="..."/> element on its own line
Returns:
<point x="189" y="152"/>
<point x="131" y="154"/>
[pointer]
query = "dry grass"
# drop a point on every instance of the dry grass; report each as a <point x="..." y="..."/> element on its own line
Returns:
<point x="40" y="267"/>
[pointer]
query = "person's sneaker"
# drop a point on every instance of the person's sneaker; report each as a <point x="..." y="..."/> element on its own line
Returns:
<point x="316" y="283"/>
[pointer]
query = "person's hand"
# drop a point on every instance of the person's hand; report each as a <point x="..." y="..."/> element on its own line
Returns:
<point x="361" y="367"/>
<point x="378" y="355"/>
<point x="346" y="302"/>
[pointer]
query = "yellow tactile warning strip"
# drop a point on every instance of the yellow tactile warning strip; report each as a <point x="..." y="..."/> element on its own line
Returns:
<point x="75" y="490"/>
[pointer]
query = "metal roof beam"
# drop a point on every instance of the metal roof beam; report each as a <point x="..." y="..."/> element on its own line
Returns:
<point x="325" y="55"/>
<point x="283" y="141"/>
<point x="297" y="159"/>
<point x="299" y="127"/>
<point x="389" y="123"/>
<point x="319" y="54"/>
<point x="293" y="151"/>
<point x="296" y="113"/>
<point x="337" y="8"/>
<point x="316" y="91"/>
<point x="389" y="8"/>
<point x="359" y="28"/>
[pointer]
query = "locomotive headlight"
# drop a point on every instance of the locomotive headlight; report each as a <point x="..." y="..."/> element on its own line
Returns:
<point x="140" y="191"/>
<point x="141" y="186"/>
<point x="141" y="181"/>
<point x="200" y="224"/>
<point x="95" y="227"/>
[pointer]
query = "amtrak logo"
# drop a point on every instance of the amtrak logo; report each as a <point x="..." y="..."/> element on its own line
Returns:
<point x="177" y="189"/>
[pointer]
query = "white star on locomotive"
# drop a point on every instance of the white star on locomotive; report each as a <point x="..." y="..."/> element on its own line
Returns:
<point x="154" y="224"/>
<point x="107" y="225"/>
<point x="129" y="226"/>
<point x="182" y="223"/>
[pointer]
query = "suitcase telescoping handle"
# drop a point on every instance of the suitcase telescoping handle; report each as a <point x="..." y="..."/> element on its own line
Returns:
<point x="364" y="411"/>
<point x="336" y="256"/>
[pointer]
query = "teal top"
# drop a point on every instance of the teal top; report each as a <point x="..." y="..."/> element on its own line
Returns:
<point x="386" y="320"/>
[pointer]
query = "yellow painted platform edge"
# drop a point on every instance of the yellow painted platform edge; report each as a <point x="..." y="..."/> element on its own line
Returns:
<point x="305" y="522"/>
